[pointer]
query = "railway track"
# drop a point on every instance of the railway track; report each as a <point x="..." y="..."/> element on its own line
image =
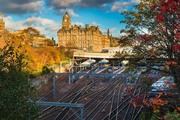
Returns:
<point x="102" y="101"/>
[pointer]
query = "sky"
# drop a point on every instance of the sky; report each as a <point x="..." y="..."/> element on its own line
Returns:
<point x="46" y="15"/>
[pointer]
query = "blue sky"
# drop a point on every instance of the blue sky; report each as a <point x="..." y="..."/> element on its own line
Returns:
<point x="46" y="15"/>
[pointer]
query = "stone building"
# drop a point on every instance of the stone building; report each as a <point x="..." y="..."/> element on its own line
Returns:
<point x="2" y="28"/>
<point x="89" y="38"/>
<point x="33" y="37"/>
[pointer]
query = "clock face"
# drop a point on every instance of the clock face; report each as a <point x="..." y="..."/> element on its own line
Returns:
<point x="65" y="20"/>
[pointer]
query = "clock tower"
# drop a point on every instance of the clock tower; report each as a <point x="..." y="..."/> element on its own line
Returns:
<point x="66" y="21"/>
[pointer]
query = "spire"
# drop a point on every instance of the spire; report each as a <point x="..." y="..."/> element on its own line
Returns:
<point x="108" y="32"/>
<point x="66" y="13"/>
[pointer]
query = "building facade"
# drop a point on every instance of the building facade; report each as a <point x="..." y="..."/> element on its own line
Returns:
<point x="2" y="28"/>
<point x="89" y="38"/>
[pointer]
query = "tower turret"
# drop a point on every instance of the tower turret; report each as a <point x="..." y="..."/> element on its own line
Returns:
<point x="108" y="32"/>
<point x="66" y="21"/>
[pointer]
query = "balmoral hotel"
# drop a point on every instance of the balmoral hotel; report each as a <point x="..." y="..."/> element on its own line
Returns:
<point x="89" y="38"/>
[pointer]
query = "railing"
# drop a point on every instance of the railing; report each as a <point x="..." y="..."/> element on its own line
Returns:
<point x="70" y="105"/>
<point x="94" y="55"/>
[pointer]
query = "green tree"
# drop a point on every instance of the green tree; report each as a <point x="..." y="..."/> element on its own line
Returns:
<point x="17" y="96"/>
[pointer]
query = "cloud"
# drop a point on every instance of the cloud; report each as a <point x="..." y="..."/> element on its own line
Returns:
<point x="145" y="31"/>
<point x="20" y="6"/>
<point x="44" y="25"/>
<point x="105" y="5"/>
<point x="114" y="32"/>
<point x="13" y="26"/>
<point x="95" y="24"/>
<point x="120" y="6"/>
<point x="70" y="12"/>
<point x="112" y="29"/>
<point x="62" y="4"/>
<point x="95" y="3"/>
<point x="135" y="1"/>
<point x="124" y="34"/>
<point x="37" y="20"/>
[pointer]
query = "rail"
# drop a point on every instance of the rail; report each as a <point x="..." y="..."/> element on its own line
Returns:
<point x="94" y="55"/>
<point x="60" y="104"/>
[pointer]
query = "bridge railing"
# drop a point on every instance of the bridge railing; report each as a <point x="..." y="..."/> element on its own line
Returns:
<point x="93" y="55"/>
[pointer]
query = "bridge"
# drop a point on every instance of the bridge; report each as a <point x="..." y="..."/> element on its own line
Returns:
<point x="93" y="55"/>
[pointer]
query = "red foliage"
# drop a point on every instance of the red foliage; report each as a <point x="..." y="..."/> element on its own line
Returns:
<point x="159" y="18"/>
<point x="144" y="37"/>
<point x="153" y="7"/>
<point x="177" y="36"/>
<point x="128" y="89"/>
<point x="133" y="103"/>
<point x="163" y="9"/>
<point x="171" y="63"/>
<point x="166" y="6"/>
<point x="176" y="47"/>
<point x="137" y="100"/>
<point x="177" y="26"/>
<point x="171" y="5"/>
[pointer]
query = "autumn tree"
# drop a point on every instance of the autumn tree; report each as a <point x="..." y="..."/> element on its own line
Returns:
<point x="17" y="100"/>
<point x="155" y="24"/>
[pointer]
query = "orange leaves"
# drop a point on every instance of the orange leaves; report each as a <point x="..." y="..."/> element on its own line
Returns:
<point x="178" y="109"/>
<point x="2" y="44"/>
<point x="146" y="103"/>
<point x="37" y="58"/>
<point x="155" y="110"/>
<point x="156" y="103"/>
<point x="160" y="94"/>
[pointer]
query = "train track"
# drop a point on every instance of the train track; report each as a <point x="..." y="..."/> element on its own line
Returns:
<point x="108" y="101"/>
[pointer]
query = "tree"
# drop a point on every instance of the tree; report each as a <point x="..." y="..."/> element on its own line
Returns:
<point x="155" y="24"/>
<point x="17" y="95"/>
